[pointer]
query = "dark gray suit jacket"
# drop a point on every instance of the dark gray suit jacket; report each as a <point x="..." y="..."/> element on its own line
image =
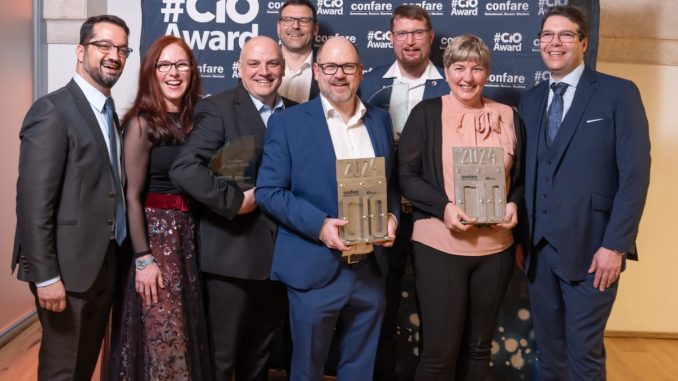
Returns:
<point x="65" y="192"/>
<point x="239" y="246"/>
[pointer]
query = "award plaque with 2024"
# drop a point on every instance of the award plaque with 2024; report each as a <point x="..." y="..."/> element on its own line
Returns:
<point x="361" y="192"/>
<point x="479" y="183"/>
<point x="237" y="161"/>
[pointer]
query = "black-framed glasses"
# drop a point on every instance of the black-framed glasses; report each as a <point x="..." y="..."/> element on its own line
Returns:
<point x="401" y="35"/>
<point x="303" y="21"/>
<point x="106" y="47"/>
<point x="165" y="66"/>
<point x="564" y="36"/>
<point x="332" y="68"/>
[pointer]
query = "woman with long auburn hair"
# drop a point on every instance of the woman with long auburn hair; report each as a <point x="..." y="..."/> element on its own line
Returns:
<point x="159" y="328"/>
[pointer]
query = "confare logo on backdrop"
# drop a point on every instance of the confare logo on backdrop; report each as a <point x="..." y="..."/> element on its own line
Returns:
<point x="544" y="5"/>
<point x="508" y="42"/>
<point x="464" y="7"/>
<point x="321" y="38"/>
<point x="222" y="11"/>
<point x="372" y="8"/>
<point x="379" y="39"/>
<point x="507" y="8"/>
<point x="506" y="81"/>
<point x="434" y="8"/>
<point x="330" y="7"/>
<point x="274" y="6"/>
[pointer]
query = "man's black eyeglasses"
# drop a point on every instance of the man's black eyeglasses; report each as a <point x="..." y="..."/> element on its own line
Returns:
<point x="303" y="21"/>
<point x="332" y="68"/>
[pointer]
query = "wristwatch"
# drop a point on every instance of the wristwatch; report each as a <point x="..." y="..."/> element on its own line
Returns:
<point x="142" y="263"/>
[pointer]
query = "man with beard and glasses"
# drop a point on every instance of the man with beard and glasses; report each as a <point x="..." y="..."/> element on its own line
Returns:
<point x="244" y="307"/>
<point x="70" y="208"/>
<point x="297" y="28"/>
<point x="399" y="87"/>
<point x="329" y="285"/>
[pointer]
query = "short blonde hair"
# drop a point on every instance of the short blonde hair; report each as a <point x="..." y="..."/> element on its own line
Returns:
<point x="467" y="48"/>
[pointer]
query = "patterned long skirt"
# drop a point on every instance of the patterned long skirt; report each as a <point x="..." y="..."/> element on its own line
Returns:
<point x="166" y="340"/>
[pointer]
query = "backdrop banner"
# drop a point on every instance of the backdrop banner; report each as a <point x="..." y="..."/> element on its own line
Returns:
<point x="216" y="30"/>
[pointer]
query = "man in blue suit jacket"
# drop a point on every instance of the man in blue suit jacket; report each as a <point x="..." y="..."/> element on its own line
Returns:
<point x="587" y="174"/>
<point x="297" y="186"/>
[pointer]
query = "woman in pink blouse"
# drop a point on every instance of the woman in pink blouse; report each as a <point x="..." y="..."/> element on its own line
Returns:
<point x="462" y="269"/>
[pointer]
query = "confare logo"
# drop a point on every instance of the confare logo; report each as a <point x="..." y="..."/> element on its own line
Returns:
<point x="434" y="8"/>
<point x="373" y="8"/>
<point x="321" y="38"/>
<point x="464" y="7"/>
<point x="274" y="6"/>
<point x="507" y="8"/>
<point x="506" y="80"/>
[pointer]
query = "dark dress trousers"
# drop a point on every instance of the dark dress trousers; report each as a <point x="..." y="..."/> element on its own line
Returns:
<point x="235" y="251"/>
<point x="376" y="90"/>
<point x="297" y="185"/>
<point x="583" y="191"/>
<point x="65" y="219"/>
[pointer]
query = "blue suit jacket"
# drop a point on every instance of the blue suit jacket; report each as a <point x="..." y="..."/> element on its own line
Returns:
<point x="601" y="170"/>
<point x="376" y="90"/>
<point x="297" y="186"/>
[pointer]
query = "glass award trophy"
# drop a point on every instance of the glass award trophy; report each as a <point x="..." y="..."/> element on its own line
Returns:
<point x="361" y="192"/>
<point x="479" y="183"/>
<point x="237" y="161"/>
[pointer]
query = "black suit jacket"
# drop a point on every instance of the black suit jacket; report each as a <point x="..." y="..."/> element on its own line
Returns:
<point x="65" y="192"/>
<point x="239" y="246"/>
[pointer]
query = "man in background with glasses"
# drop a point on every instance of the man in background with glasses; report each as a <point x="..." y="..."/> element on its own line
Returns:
<point x="244" y="307"/>
<point x="297" y="28"/>
<point x="398" y="87"/>
<point x="587" y="173"/>
<point x="70" y="207"/>
<point x="329" y="285"/>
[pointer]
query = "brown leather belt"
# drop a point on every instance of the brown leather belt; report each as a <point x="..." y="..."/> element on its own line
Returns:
<point x="406" y="208"/>
<point x="354" y="258"/>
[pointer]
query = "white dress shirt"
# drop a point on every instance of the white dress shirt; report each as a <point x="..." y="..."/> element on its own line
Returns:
<point x="572" y="80"/>
<point x="296" y="84"/>
<point x="350" y="141"/>
<point x="264" y="110"/>
<point x="416" y="86"/>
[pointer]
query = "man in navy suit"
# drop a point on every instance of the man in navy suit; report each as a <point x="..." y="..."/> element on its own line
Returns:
<point x="398" y="87"/>
<point x="329" y="285"/>
<point x="587" y="174"/>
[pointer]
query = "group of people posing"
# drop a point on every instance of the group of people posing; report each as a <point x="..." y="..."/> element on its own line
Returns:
<point x="203" y="272"/>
